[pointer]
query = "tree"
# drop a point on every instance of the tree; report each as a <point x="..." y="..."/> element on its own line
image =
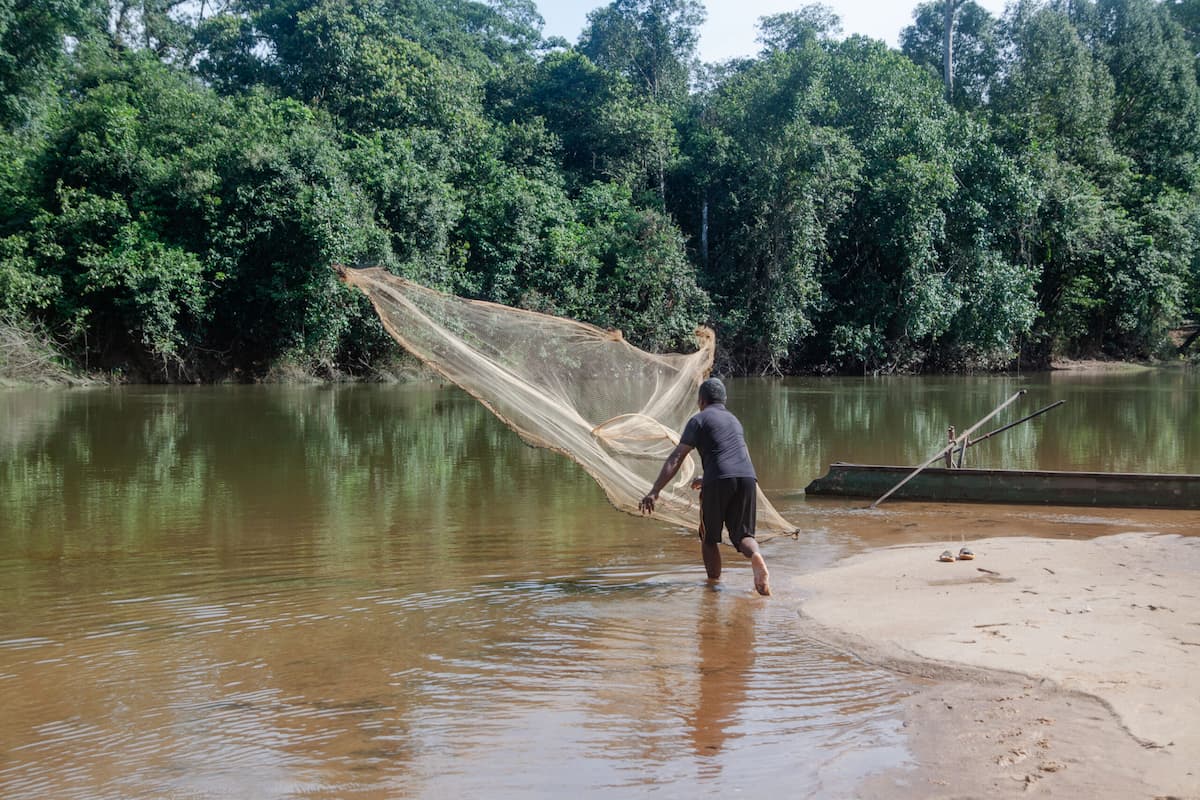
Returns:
<point x="775" y="184"/>
<point x="606" y="131"/>
<point x="174" y="223"/>
<point x="164" y="27"/>
<point x="652" y="43"/>
<point x="923" y="261"/>
<point x="33" y="50"/>
<point x="645" y="285"/>
<point x="974" y="48"/>
<point x="1156" y="103"/>
<point x="795" y="30"/>
<point x="345" y="57"/>
<point x="1054" y="93"/>
<point x="949" y="9"/>
<point x="1187" y="14"/>
<point x="1108" y="238"/>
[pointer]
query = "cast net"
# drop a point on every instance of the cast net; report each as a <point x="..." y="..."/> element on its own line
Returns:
<point x="560" y="384"/>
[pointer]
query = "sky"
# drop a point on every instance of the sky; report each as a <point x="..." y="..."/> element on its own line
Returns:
<point x="731" y="29"/>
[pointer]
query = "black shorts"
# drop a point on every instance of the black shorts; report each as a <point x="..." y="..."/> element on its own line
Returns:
<point x="730" y="503"/>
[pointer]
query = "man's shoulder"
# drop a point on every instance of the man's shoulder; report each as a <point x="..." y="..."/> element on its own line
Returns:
<point x="714" y="419"/>
<point x="718" y="411"/>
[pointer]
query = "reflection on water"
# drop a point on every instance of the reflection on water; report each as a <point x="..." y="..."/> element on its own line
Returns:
<point x="376" y="592"/>
<point x="1143" y="421"/>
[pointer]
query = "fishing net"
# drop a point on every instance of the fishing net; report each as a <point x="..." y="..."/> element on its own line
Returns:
<point x="560" y="384"/>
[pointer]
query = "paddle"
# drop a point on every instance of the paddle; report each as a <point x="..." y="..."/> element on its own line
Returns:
<point x="958" y="440"/>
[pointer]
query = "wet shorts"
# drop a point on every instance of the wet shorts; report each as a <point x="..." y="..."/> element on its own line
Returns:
<point x="730" y="503"/>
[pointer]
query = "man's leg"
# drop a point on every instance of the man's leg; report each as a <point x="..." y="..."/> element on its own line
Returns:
<point x="712" y="558"/>
<point x="762" y="578"/>
<point x="743" y="510"/>
<point x="711" y="553"/>
<point x="712" y="503"/>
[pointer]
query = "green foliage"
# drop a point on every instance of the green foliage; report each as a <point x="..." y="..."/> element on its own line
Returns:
<point x="894" y="238"/>
<point x="1054" y="92"/>
<point x="775" y="184"/>
<point x="1156" y="119"/>
<point x="976" y="48"/>
<point x="23" y="289"/>
<point x="179" y="222"/>
<point x="516" y="220"/>
<point x="32" y="52"/>
<point x="645" y="286"/>
<point x="344" y="57"/>
<point x="652" y="43"/>
<point x="796" y="30"/>
<point x="1101" y="104"/>
<point x="605" y="130"/>
<point x="1187" y="14"/>
<point x="119" y="284"/>
<point x="178" y="180"/>
<point x="288" y="209"/>
<point x="153" y="289"/>
<point x="408" y="177"/>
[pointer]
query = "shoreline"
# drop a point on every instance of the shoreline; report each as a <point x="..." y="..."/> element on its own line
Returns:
<point x="60" y="372"/>
<point x="1066" y="664"/>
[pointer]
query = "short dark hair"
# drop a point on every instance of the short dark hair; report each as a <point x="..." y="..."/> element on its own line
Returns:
<point x="712" y="391"/>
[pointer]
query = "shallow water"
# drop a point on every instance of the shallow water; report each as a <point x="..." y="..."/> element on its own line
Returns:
<point x="379" y="592"/>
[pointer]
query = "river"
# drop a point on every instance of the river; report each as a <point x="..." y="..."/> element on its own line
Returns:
<point x="380" y="592"/>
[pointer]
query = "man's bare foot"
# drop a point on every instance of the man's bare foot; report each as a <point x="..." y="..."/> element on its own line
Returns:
<point x="761" y="576"/>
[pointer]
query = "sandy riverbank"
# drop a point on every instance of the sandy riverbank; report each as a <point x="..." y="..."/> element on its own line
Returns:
<point x="1067" y="667"/>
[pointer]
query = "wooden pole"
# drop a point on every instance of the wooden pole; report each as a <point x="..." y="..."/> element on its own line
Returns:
<point x="1002" y="429"/>
<point x="964" y="436"/>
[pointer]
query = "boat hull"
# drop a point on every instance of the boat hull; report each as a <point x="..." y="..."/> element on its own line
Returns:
<point x="1024" y="487"/>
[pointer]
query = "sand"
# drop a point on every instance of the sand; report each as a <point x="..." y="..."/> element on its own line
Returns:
<point x="1066" y="667"/>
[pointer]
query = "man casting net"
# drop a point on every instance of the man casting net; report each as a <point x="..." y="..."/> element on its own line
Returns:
<point x="560" y="384"/>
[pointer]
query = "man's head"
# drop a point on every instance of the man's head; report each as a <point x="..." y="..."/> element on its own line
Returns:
<point x="712" y="391"/>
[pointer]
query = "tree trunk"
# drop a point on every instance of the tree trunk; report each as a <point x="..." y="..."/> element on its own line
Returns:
<point x="948" y="48"/>
<point x="662" y="178"/>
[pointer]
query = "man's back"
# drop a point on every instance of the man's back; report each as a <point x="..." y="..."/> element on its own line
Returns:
<point x="717" y="434"/>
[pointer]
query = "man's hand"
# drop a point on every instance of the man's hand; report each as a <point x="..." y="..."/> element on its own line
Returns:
<point x="697" y="483"/>
<point x="647" y="504"/>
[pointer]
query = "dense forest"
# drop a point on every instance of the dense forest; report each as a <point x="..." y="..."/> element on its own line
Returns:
<point x="178" y="177"/>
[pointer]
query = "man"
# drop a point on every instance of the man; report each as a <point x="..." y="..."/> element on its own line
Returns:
<point x="730" y="487"/>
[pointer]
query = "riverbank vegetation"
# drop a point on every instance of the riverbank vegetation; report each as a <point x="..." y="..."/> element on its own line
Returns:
<point x="178" y="178"/>
<point x="27" y="356"/>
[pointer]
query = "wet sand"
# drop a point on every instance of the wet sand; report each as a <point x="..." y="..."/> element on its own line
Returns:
<point x="1070" y="667"/>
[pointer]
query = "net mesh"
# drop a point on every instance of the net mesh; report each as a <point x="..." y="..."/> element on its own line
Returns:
<point x="560" y="384"/>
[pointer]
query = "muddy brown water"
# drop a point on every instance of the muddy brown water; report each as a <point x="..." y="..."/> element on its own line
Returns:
<point x="380" y="592"/>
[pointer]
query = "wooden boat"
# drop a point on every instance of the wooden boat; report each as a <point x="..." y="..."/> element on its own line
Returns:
<point x="1026" y="487"/>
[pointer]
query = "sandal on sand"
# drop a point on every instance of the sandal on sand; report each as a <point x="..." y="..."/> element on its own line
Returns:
<point x="965" y="554"/>
<point x="946" y="556"/>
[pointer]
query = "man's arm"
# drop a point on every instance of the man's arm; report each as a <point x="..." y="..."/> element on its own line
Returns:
<point x="669" y="468"/>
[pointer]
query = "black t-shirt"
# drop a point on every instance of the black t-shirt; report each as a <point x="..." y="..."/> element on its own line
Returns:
<point x="717" y="434"/>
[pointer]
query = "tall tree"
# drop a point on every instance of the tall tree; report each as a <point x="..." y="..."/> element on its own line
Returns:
<point x="778" y="183"/>
<point x="606" y="129"/>
<point x="1054" y="93"/>
<point x="949" y="9"/>
<point x="653" y="44"/>
<point x="1156" y="109"/>
<point x="795" y="30"/>
<point x="974" y="47"/>
<point x="1187" y="14"/>
<point x="650" y="42"/>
